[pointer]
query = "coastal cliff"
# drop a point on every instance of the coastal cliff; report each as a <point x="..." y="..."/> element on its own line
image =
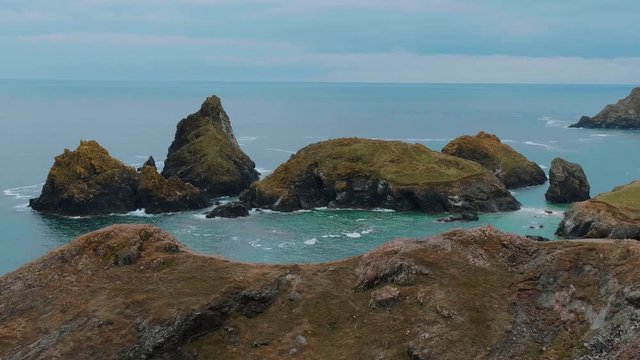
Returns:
<point x="206" y="154"/>
<point x="364" y="173"/>
<point x="134" y="292"/>
<point x="625" y="114"/>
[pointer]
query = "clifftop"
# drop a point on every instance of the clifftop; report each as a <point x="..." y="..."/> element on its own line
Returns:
<point x="133" y="292"/>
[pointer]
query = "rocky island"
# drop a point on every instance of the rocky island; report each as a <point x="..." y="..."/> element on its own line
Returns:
<point x="206" y="154"/>
<point x="88" y="181"/>
<point x="363" y="173"/>
<point x="134" y="292"/>
<point x="511" y="167"/>
<point x="625" y="114"/>
<point x="567" y="182"/>
<point x="615" y="215"/>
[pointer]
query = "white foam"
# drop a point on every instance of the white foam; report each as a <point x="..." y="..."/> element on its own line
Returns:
<point x="542" y="166"/>
<point x="361" y="219"/>
<point x="200" y="216"/>
<point x="138" y="213"/>
<point x="383" y="210"/>
<point x="583" y="139"/>
<point x="311" y="241"/>
<point x="537" y="144"/>
<point x="282" y="150"/>
<point x="255" y="243"/>
<point x="330" y="236"/>
<point x="264" y="171"/>
<point x="22" y="207"/>
<point x="600" y="135"/>
<point x="247" y="138"/>
<point x="506" y="141"/>
<point x="353" y="235"/>
<point x="24" y="192"/>
<point x="369" y="231"/>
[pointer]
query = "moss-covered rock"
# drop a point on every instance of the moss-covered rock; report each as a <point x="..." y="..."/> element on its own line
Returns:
<point x="367" y="173"/>
<point x="614" y="215"/>
<point x="206" y="154"/>
<point x="511" y="167"/>
<point x="88" y="181"/>
<point x="625" y="114"/>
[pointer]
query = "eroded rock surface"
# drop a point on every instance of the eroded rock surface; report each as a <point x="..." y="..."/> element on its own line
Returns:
<point x="133" y="292"/>
<point x="206" y="154"/>
<point x="567" y="182"/>
<point x="625" y="114"/>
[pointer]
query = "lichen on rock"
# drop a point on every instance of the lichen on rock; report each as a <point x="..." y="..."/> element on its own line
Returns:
<point x="206" y="154"/>
<point x="511" y="167"/>
<point x="364" y="173"/>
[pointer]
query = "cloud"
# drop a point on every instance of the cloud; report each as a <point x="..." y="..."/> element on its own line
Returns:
<point x="409" y="67"/>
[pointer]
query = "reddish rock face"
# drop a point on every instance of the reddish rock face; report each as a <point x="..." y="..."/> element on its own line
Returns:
<point x="133" y="292"/>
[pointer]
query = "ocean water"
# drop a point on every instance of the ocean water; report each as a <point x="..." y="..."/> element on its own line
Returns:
<point x="38" y="119"/>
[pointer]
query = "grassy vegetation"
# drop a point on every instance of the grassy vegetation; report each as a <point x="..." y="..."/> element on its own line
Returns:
<point x="625" y="198"/>
<point x="396" y="162"/>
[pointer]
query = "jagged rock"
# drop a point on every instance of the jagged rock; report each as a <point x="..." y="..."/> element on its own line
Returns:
<point x="511" y="167"/>
<point x="88" y="181"/>
<point x="625" y="114"/>
<point x="487" y="295"/>
<point x="230" y="210"/>
<point x="363" y="173"/>
<point x="465" y="216"/>
<point x="206" y="154"/>
<point x="150" y="162"/>
<point x="567" y="182"/>
<point x="614" y="215"/>
<point x="385" y="297"/>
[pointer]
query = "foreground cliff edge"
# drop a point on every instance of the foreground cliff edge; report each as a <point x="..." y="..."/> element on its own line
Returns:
<point x="133" y="292"/>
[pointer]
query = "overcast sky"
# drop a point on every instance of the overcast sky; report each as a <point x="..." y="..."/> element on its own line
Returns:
<point x="468" y="41"/>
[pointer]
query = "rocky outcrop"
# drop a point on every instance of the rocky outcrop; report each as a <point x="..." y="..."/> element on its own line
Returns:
<point x="88" y="181"/>
<point x="150" y="162"/>
<point x="567" y="182"/>
<point x="133" y="292"/>
<point x="614" y="215"/>
<point x="206" y="154"/>
<point x="363" y="173"/>
<point x="511" y="167"/>
<point x="625" y="114"/>
<point x="230" y="210"/>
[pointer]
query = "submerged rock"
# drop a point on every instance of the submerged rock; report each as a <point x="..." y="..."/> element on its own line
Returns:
<point x="465" y="216"/>
<point x="363" y="173"/>
<point x="614" y="215"/>
<point x="567" y="182"/>
<point x="230" y="210"/>
<point x="625" y="114"/>
<point x="88" y="181"/>
<point x="134" y="292"/>
<point x="206" y="154"/>
<point x="511" y="167"/>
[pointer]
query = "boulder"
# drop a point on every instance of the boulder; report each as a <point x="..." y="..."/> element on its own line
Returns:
<point x="614" y="215"/>
<point x="384" y="298"/>
<point x="88" y="181"/>
<point x="206" y="154"/>
<point x="567" y="182"/>
<point x="363" y="173"/>
<point x="625" y="114"/>
<point x="511" y="167"/>
<point x="230" y="210"/>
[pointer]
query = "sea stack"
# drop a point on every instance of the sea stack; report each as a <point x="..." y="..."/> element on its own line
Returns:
<point x="567" y="182"/>
<point x="614" y="215"/>
<point x="511" y="167"/>
<point x="625" y="114"/>
<point x="363" y="173"/>
<point x="88" y="181"/>
<point x="206" y="154"/>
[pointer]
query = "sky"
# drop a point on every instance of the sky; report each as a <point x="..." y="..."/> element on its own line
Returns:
<point x="442" y="41"/>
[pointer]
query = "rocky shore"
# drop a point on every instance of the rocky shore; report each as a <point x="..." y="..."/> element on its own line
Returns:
<point x="511" y="167"/>
<point x="625" y="114"/>
<point x="88" y="181"/>
<point x="364" y="173"/>
<point x="134" y="292"/>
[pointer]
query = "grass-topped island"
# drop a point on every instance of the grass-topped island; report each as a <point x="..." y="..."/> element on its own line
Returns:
<point x="365" y="173"/>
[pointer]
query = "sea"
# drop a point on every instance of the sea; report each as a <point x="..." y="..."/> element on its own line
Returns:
<point x="272" y="120"/>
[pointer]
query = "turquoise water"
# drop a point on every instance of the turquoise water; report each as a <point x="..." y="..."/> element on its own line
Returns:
<point x="272" y="120"/>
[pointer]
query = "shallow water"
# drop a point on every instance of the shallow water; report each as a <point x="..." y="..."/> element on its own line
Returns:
<point x="272" y="120"/>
